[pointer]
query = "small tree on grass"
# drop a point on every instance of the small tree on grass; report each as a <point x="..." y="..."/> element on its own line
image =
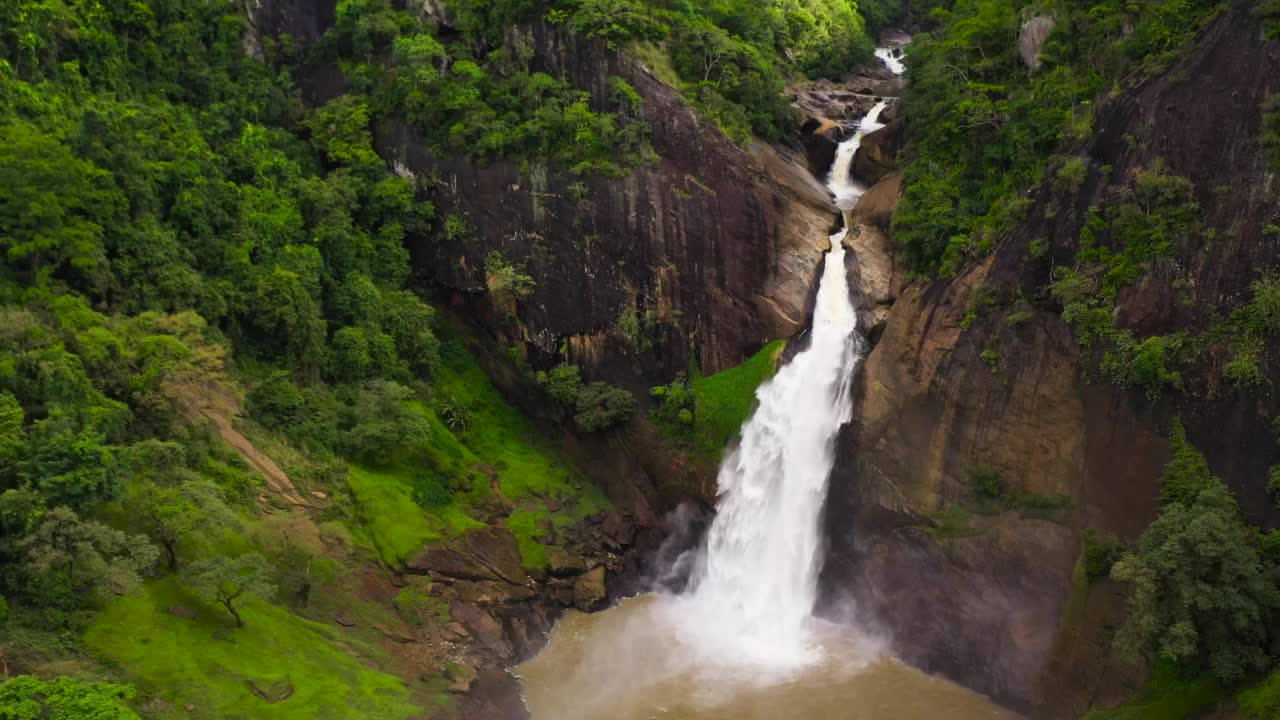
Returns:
<point x="230" y="581"/>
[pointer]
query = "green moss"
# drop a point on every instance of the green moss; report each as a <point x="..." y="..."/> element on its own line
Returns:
<point x="206" y="664"/>
<point x="397" y="526"/>
<point x="1168" y="696"/>
<point x="723" y="401"/>
<point x="951" y="522"/>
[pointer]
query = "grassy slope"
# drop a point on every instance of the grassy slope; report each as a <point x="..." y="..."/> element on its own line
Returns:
<point x="724" y="401"/>
<point x="1168" y="696"/>
<point x="206" y="663"/>
<point x="500" y="444"/>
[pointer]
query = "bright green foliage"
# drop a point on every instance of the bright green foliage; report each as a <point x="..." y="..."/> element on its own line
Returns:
<point x="203" y="663"/>
<point x="1169" y="695"/>
<point x="175" y="510"/>
<point x="231" y="582"/>
<point x="64" y="698"/>
<point x="595" y="406"/>
<point x="983" y="125"/>
<point x="723" y="401"/>
<point x="1186" y="474"/>
<point x="396" y="524"/>
<point x="1200" y="591"/>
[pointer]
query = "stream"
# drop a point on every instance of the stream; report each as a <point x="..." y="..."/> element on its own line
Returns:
<point x="741" y="642"/>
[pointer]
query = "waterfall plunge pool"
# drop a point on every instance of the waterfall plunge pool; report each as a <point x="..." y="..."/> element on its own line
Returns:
<point x="630" y="663"/>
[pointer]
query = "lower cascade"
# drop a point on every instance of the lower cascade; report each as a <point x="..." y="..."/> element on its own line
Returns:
<point x="754" y="589"/>
<point x="741" y="641"/>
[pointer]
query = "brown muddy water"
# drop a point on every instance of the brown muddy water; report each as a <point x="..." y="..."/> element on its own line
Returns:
<point x="629" y="663"/>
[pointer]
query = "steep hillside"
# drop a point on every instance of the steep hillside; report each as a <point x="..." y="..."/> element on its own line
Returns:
<point x="1028" y="399"/>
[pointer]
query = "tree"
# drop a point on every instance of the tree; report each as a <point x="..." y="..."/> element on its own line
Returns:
<point x="600" y="406"/>
<point x="230" y="581"/>
<point x="12" y="435"/>
<point x="173" y="513"/>
<point x="72" y="562"/>
<point x="64" y="698"/>
<point x="1200" y="592"/>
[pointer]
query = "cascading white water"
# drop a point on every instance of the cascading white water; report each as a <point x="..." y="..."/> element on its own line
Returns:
<point x="892" y="59"/>
<point x="752" y="595"/>
<point x="840" y="181"/>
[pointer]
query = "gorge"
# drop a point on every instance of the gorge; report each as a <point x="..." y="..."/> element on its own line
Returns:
<point x="489" y="359"/>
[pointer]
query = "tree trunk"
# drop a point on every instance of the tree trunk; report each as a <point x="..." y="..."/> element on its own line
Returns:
<point x="231" y="608"/>
<point x="171" y="551"/>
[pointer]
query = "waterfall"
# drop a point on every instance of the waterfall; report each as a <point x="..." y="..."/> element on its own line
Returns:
<point x="892" y="59"/>
<point x="840" y="181"/>
<point x="751" y="597"/>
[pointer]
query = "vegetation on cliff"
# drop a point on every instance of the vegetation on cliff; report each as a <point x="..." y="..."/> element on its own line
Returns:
<point x="984" y="124"/>
<point x="182" y="239"/>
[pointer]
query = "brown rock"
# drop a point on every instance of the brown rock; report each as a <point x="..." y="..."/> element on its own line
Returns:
<point x="272" y="693"/>
<point x="877" y="154"/>
<point x="343" y="618"/>
<point x="183" y="612"/>
<point x="460" y="675"/>
<point x="1031" y="37"/>
<point x="589" y="590"/>
<point x="877" y="205"/>
<point x="562" y="562"/>
<point x="490" y="553"/>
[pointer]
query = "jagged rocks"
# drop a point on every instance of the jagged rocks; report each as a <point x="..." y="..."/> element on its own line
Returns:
<point x="589" y="590"/>
<point x="460" y="676"/>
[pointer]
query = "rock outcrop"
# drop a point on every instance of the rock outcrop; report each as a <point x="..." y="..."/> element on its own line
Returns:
<point x="713" y="245"/>
<point x="1031" y="37"/>
<point x="959" y="388"/>
<point x="877" y="153"/>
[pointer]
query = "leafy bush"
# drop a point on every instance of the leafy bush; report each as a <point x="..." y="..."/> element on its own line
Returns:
<point x="600" y="406"/>
<point x="276" y="402"/>
<point x="1099" y="556"/>
<point x="985" y="484"/>
<point x="1186" y="474"/>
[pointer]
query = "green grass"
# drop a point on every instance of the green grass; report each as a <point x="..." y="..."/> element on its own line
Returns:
<point x="1261" y="702"/>
<point x="208" y="664"/>
<point x="530" y="471"/>
<point x="723" y="401"/>
<point x="396" y="525"/>
<point x="1168" y="696"/>
<point x="500" y="444"/>
<point x="952" y="522"/>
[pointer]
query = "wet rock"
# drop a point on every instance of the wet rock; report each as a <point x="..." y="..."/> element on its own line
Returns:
<point x="877" y="154"/>
<point x="486" y="631"/>
<point x="589" y="590"/>
<point x="619" y="529"/>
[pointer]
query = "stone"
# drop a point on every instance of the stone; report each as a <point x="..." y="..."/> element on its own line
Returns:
<point x="343" y="618"/>
<point x="490" y="553"/>
<point x="455" y="631"/>
<point x="273" y="692"/>
<point x="877" y="154"/>
<point x="877" y="205"/>
<point x="589" y="590"/>
<point x="1031" y="37"/>
<point x="180" y="611"/>
<point x="562" y="562"/>
<point x="460" y="675"/>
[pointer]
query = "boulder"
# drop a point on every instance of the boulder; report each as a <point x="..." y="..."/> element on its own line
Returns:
<point x="490" y="553"/>
<point x="1031" y="37"/>
<point x="876" y="206"/>
<point x="460" y="675"/>
<point x="180" y="611"/>
<point x="876" y="156"/>
<point x="589" y="590"/>
<point x="562" y="562"/>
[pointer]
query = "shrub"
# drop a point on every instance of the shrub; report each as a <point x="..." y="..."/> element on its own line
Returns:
<point x="600" y="406"/>
<point x="563" y="383"/>
<point x="986" y="484"/>
<point x="1273" y="484"/>
<point x="1099" y="556"/>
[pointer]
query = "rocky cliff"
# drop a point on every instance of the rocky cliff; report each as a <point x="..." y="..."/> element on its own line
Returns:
<point x="711" y="248"/>
<point x="984" y="442"/>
